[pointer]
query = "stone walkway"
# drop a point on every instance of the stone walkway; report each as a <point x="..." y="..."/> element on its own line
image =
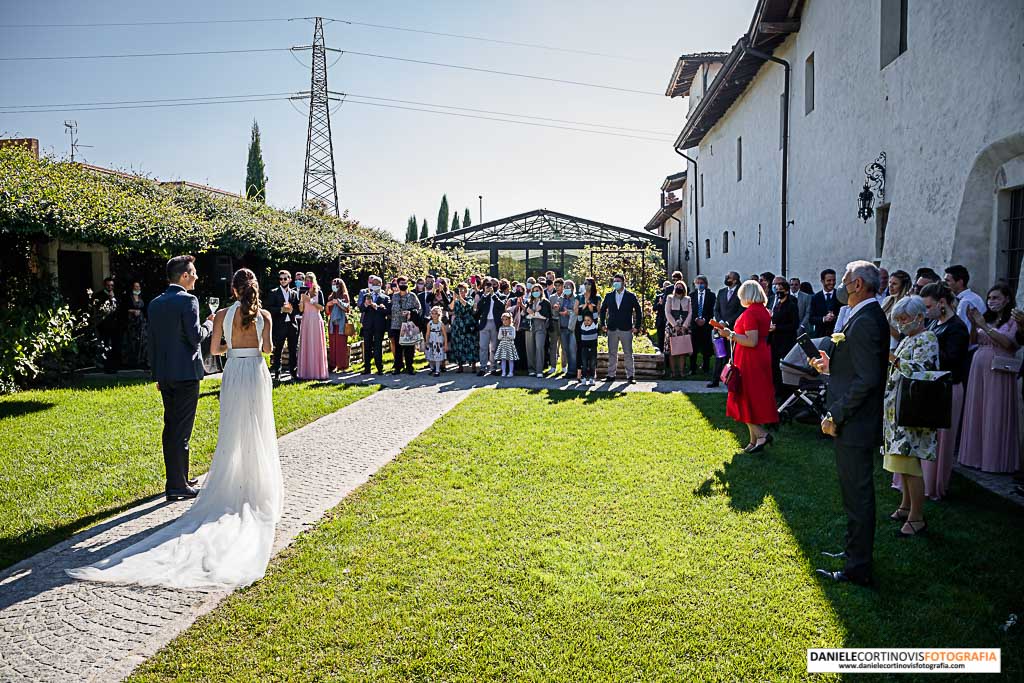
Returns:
<point x="56" y="629"/>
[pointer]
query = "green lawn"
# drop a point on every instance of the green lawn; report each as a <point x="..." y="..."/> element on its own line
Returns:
<point x="567" y="537"/>
<point x="70" y="457"/>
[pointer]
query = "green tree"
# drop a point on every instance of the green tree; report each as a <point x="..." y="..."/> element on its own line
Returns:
<point x="466" y="220"/>
<point x="424" y="233"/>
<point x="455" y="222"/>
<point x="442" y="216"/>
<point x="411" y="229"/>
<point x="255" y="179"/>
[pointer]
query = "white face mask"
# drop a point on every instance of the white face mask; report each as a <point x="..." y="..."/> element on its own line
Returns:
<point x="136" y="292"/>
<point x="334" y="288"/>
<point x="375" y="288"/>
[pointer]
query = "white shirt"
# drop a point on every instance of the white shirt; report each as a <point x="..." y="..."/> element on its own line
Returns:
<point x="284" y="292"/>
<point x="968" y="298"/>
<point x="880" y="298"/>
<point x="490" y="309"/>
<point x="618" y="297"/>
<point x="857" y="308"/>
<point x="844" y="315"/>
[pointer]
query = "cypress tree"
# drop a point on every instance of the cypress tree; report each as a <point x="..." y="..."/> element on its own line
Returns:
<point x="442" y="216"/>
<point x="424" y="233"/>
<point x="410" y="229"/>
<point x="255" y="180"/>
<point x="466" y="220"/>
<point x="455" y="221"/>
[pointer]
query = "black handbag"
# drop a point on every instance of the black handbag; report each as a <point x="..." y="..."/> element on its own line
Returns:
<point x="924" y="404"/>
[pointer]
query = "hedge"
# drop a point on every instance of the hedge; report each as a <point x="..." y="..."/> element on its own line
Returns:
<point x="57" y="199"/>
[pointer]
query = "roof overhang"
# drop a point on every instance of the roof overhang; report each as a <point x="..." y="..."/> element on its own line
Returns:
<point x="773" y="22"/>
<point x="662" y="215"/>
<point x="686" y="69"/>
<point x="674" y="182"/>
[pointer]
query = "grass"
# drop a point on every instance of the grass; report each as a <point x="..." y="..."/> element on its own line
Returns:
<point x="602" y="537"/>
<point x="71" y="457"/>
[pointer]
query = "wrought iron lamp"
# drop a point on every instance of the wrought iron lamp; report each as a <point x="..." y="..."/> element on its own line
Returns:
<point x="874" y="177"/>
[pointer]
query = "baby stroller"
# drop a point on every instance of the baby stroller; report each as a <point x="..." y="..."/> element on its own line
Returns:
<point x="807" y="402"/>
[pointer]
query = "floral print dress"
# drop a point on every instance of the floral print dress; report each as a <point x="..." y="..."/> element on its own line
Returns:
<point x="918" y="357"/>
<point x="465" y="341"/>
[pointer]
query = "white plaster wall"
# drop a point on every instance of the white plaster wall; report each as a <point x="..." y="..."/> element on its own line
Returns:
<point x="957" y="90"/>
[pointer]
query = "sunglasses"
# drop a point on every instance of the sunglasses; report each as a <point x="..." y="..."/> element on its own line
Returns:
<point x="282" y="279"/>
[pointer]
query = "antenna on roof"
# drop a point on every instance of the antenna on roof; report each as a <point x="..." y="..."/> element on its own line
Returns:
<point x="71" y="128"/>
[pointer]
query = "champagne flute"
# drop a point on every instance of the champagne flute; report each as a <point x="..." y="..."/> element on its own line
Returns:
<point x="214" y="303"/>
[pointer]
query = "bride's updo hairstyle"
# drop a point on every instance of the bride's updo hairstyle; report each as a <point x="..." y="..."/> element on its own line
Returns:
<point x="248" y="291"/>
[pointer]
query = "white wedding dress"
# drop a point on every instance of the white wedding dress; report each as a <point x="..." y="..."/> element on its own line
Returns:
<point x="224" y="540"/>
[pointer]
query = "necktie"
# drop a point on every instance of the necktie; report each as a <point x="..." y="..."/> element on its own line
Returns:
<point x="700" y="305"/>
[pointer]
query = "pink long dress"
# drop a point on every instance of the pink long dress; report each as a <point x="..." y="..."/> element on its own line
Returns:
<point x="989" y="437"/>
<point x="312" y="346"/>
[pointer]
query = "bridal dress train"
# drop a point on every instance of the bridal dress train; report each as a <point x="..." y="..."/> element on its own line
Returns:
<point x="224" y="540"/>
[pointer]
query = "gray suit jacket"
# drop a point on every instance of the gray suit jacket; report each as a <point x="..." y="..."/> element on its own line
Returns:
<point x="176" y="336"/>
<point x="803" y="303"/>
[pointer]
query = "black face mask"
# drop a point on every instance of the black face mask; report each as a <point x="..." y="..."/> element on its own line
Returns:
<point x="782" y="292"/>
<point x="403" y="287"/>
<point x="679" y="290"/>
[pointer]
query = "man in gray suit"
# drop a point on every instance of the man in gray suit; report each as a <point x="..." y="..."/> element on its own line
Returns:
<point x="856" y="388"/>
<point x="176" y="361"/>
<point x="803" y="302"/>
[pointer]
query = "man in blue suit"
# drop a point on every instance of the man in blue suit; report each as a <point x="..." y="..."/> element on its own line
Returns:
<point x="176" y="361"/>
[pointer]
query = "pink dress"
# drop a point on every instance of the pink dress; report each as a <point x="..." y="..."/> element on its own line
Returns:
<point x="990" y="400"/>
<point x="312" y="346"/>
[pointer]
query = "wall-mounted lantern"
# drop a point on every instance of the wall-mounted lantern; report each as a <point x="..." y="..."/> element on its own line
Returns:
<point x="874" y="177"/>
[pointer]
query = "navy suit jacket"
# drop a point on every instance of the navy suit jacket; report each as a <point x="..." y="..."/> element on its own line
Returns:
<point x="622" y="319"/>
<point x="820" y="307"/>
<point x="176" y="336"/>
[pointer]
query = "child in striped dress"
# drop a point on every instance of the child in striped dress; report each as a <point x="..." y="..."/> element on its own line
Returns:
<point x="506" y="352"/>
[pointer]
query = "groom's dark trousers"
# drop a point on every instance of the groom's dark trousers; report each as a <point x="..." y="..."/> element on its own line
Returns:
<point x="180" y="401"/>
<point x="856" y="388"/>
<point x="176" y="361"/>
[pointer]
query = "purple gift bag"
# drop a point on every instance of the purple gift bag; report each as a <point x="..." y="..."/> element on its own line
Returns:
<point x="721" y="348"/>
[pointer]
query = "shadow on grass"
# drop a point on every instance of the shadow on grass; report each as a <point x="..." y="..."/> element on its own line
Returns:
<point x="966" y="572"/>
<point x="16" y="408"/>
<point x="27" y="544"/>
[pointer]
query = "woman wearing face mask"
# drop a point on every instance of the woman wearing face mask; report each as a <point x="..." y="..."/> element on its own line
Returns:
<point x="587" y="302"/>
<point x="462" y="348"/>
<point x="538" y="311"/>
<point x="136" y="342"/>
<point x="677" y="324"/>
<point x="783" y="332"/>
<point x="899" y="287"/>
<point x="405" y="307"/>
<point x="954" y="340"/>
<point x="312" y="346"/>
<point x="516" y="306"/>
<point x="905" y="448"/>
<point x="337" y="318"/>
<point x="991" y="396"/>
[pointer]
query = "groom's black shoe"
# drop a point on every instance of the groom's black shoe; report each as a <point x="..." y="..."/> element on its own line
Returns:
<point x="843" y="577"/>
<point x="193" y="482"/>
<point x="181" y="494"/>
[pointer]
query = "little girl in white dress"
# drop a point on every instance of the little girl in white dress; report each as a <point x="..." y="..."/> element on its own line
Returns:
<point x="437" y="342"/>
<point x="506" y="352"/>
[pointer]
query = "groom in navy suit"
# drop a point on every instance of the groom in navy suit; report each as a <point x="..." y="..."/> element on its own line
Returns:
<point x="176" y="361"/>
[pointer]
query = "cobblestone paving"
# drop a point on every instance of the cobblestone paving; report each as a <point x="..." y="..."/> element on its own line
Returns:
<point x="56" y="629"/>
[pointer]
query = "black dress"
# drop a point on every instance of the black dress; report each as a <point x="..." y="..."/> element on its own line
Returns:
<point x="136" y="336"/>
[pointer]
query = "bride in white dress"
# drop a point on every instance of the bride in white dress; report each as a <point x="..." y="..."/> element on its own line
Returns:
<point x="224" y="540"/>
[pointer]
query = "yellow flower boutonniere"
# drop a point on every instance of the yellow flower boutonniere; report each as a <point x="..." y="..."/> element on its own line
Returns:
<point x="838" y="338"/>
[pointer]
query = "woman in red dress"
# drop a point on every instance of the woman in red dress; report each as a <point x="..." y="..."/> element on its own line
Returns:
<point x="754" y="402"/>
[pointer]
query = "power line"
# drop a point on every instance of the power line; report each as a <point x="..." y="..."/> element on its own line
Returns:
<point x="350" y="22"/>
<point x="505" y="113"/>
<point x="140" y="54"/>
<point x="489" y="118"/>
<point x="484" y="39"/>
<point x="348" y="100"/>
<point x="361" y="54"/>
<point x="145" y="23"/>
<point x="268" y="97"/>
<point x="140" y="106"/>
<point x="504" y="73"/>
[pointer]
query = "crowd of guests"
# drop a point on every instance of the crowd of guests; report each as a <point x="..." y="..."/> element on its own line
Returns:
<point x="120" y="322"/>
<point x="933" y="326"/>
<point x="543" y="327"/>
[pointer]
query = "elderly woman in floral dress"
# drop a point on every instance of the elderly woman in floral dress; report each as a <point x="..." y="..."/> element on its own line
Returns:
<point x="903" y="448"/>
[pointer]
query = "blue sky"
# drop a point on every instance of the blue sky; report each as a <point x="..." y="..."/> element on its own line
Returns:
<point x="390" y="162"/>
